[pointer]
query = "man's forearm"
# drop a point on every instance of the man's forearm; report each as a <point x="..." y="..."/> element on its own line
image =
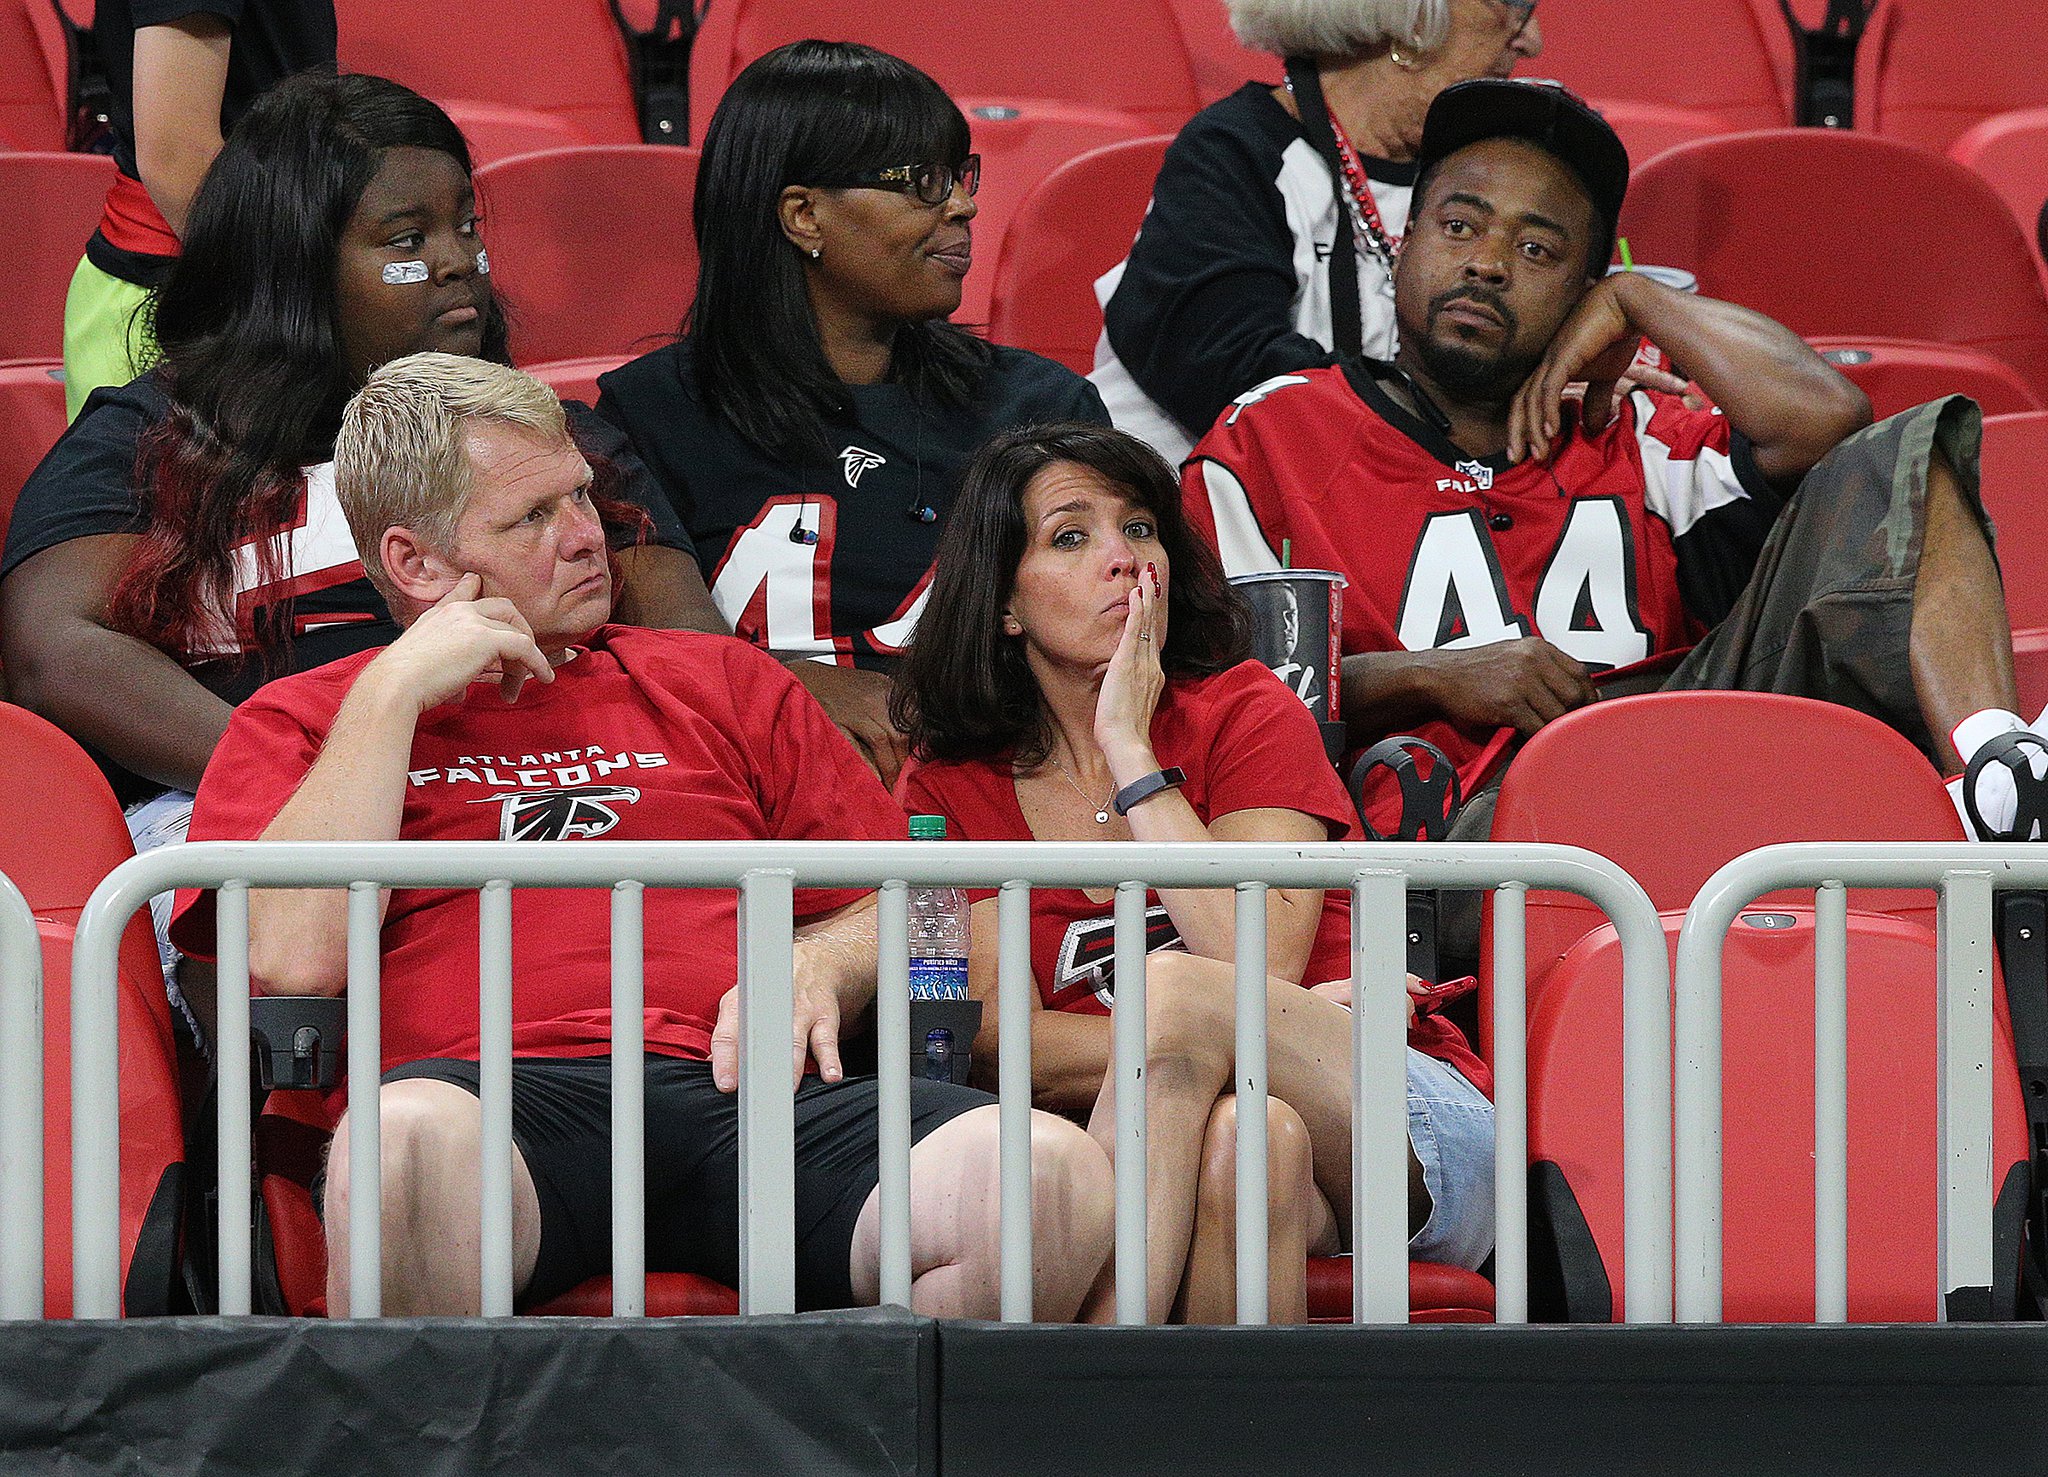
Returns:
<point x="839" y="952"/>
<point x="1386" y="690"/>
<point x="355" y="791"/>
<point x="1788" y="401"/>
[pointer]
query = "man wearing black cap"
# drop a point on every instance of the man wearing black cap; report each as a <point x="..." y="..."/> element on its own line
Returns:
<point x="1509" y="548"/>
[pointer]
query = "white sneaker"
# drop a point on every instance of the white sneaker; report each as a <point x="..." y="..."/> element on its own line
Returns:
<point x="2002" y="793"/>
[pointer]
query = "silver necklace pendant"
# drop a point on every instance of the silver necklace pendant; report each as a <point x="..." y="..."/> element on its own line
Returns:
<point x="1101" y="817"/>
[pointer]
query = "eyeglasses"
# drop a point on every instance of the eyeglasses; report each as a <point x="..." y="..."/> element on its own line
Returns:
<point x="933" y="184"/>
<point x="1519" y="12"/>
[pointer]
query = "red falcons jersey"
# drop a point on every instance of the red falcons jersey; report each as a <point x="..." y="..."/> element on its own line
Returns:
<point x="1624" y="545"/>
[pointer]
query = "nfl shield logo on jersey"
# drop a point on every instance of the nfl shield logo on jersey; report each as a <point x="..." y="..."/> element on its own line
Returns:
<point x="1479" y="472"/>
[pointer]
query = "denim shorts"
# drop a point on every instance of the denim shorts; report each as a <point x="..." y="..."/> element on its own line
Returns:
<point x="1450" y="1123"/>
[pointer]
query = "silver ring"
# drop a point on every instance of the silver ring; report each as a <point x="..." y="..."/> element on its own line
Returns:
<point x="1144" y="635"/>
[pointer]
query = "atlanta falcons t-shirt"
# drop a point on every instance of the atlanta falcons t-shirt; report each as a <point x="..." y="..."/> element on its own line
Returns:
<point x="830" y="561"/>
<point x="1626" y="544"/>
<point x="643" y="736"/>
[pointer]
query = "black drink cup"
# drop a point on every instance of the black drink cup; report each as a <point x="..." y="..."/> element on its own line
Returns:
<point x="1296" y="617"/>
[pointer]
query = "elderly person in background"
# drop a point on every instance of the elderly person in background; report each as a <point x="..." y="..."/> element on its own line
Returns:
<point x="1270" y="243"/>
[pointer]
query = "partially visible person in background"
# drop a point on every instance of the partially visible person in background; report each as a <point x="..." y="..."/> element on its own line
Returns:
<point x="181" y="73"/>
<point x="1279" y="210"/>
<point x="811" y="423"/>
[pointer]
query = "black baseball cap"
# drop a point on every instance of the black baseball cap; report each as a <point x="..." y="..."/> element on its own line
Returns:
<point x="1547" y="115"/>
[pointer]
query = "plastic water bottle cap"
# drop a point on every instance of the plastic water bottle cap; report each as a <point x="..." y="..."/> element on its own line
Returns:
<point x="927" y="828"/>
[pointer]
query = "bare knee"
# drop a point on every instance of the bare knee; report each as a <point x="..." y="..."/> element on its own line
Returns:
<point x="1190" y="1016"/>
<point x="427" y="1134"/>
<point x="1289" y="1165"/>
<point x="1073" y="1188"/>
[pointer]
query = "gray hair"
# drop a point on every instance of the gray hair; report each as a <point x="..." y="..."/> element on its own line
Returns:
<point x="1338" y="27"/>
<point x="401" y="459"/>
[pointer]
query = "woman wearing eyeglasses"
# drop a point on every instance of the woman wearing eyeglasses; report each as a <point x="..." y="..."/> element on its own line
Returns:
<point x="1275" y="219"/>
<point x="812" y="420"/>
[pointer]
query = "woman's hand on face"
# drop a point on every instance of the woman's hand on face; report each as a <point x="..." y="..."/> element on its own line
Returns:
<point x="1133" y="683"/>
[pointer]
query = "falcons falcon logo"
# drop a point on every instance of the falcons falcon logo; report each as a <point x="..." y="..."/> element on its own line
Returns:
<point x="858" y="462"/>
<point x="1087" y="957"/>
<point x="560" y="815"/>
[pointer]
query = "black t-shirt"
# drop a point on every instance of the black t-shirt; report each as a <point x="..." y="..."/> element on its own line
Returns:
<point x="852" y="594"/>
<point x="272" y="39"/>
<point x="86" y="486"/>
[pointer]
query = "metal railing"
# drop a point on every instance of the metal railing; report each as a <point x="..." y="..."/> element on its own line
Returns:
<point x="766" y="874"/>
<point x="1964" y="877"/>
<point x="21" y="1107"/>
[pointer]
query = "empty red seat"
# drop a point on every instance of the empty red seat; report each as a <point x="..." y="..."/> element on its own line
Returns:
<point x="2015" y="451"/>
<point x="1128" y="56"/>
<point x="1899" y="373"/>
<point x="1575" y="1123"/>
<point x="592" y="248"/>
<point x="1222" y="63"/>
<point x="563" y="63"/>
<point x="2010" y="153"/>
<point x="1436" y="1293"/>
<point x="59" y="837"/>
<point x="1809" y="225"/>
<point x="1672" y="786"/>
<point x="1077" y="224"/>
<point x="31" y="420"/>
<point x="35" y="83"/>
<point x="1729" y="61"/>
<point x="51" y="202"/>
<point x="1930" y="70"/>
<point x="1020" y="145"/>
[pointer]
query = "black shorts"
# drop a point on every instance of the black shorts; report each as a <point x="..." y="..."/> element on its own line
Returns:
<point x="561" y="1122"/>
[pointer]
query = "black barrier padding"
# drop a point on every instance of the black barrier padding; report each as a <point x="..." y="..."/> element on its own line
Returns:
<point x="818" y="1393"/>
<point x="1465" y="1400"/>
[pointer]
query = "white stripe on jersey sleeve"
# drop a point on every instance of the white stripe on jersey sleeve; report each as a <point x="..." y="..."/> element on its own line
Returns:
<point x="1239" y="540"/>
<point x="1682" y="490"/>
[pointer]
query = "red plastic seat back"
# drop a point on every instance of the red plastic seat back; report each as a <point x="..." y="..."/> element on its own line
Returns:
<point x="58" y="840"/>
<point x="1128" y="56"/>
<point x="565" y="59"/>
<point x="1728" y="59"/>
<point x="34" y="84"/>
<point x="1898" y="374"/>
<point x="31" y="420"/>
<point x="1803" y="224"/>
<point x="1436" y="1293"/>
<point x="51" y="202"/>
<point x="1078" y="223"/>
<point x="1575" y="1113"/>
<point x="1928" y="70"/>
<point x="1222" y="63"/>
<point x="592" y="248"/>
<point x="1672" y="786"/>
<point x="2016" y="495"/>
<point x="2010" y="153"/>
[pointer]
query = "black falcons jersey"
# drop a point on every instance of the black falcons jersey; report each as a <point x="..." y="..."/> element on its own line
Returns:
<point x="830" y="560"/>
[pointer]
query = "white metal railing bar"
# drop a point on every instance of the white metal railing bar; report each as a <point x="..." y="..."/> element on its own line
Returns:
<point x="365" y="1137"/>
<point x="1127" y="1069"/>
<point x="1254" y="1296"/>
<point x="21" y="1107"/>
<point x="1511" y="1100"/>
<point x="892" y="1088"/>
<point x="1379" y="1119"/>
<point x="765" y="873"/>
<point x="1014" y="992"/>
<point x="629" y="1100"/>
<point x="231" y="1124"/>
<point x="1965" y="876"/>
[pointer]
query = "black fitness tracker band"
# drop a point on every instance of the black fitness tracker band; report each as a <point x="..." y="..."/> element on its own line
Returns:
<point x="1146" y="786"/>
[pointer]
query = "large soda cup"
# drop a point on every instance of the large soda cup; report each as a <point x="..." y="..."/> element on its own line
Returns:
<point x="1676" y="278"/>
<point x="1296" y="617"/>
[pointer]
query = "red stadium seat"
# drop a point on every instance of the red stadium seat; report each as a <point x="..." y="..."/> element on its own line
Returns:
<point x="31" y="420"/>
<point x="1075" y="226"/>
<point x="576" y="379"/>
<point x="1674" y="785"/>
<point x="591" y="248"/>
<point x="51" y="203"/>
<point x="1020" y="144"/>
<point x="1222" y="63"/>
<point x="1929" y="70"/>
<point x="1575" y="1122"/>
<point x="1128" y="56"/>
<point x="2015" y="452"/>
<point x="2010" y="152"/>
<point x="1730" y="61"/>
<point x="563" y="62"/>
<point x="59" y="837"/>
<point x="34" y="77"/>
<point x="1436" y="1293"/>
<point x="1805" y="225"/>
<point x="1648" y="129"/>
<point x="1900" y="373"/>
